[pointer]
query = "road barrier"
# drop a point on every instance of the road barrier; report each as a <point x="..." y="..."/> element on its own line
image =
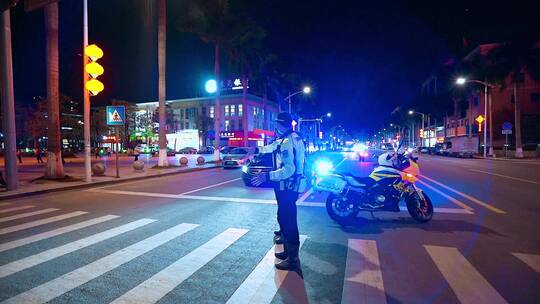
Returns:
<point x="138" y="165"/>
<point x="99" y="168"/>
<point x="200" y="161"/>
<point x="183" y="161"/>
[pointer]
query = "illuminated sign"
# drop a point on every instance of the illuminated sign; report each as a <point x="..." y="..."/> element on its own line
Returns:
<point x="233" y="84"/>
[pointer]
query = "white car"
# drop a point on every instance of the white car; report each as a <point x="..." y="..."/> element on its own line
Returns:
<point x="238" y="157"/>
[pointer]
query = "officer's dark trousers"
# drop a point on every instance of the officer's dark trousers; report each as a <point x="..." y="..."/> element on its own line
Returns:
<point x="286" y="216"/>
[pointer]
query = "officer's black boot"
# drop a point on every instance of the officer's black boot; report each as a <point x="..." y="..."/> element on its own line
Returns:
<point x="278" y="239"/>
<point x="292" y="263"/>
<point x="282" y="255"/>
<point x="277" y="232"/>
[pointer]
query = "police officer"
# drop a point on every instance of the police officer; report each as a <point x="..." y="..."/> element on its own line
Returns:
<point x="289" y="158"/>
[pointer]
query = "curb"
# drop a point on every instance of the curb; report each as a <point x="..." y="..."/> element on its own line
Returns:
<point x="102" y="183"/>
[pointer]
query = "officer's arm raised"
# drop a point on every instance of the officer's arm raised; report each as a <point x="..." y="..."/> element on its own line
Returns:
<point x="268" y="149"/>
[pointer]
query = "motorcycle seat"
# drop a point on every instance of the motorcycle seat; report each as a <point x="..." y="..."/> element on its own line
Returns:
<point x="359" y="181"/>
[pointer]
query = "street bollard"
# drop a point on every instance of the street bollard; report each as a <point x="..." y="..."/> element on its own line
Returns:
<point x="98" y="169"/>
<point x="183" y="161"/>
<point x="138" y="165"/>
<point x="200" y="161"/>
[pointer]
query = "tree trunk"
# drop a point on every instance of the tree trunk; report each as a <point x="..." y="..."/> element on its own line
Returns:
<point x="517" y="122"/>
<point x="491" y="148"/>
<point x="217" y="109"/>
<point x="162" y="45"/>
<point x="244" y="111"/>
<point x="54" y="168"/>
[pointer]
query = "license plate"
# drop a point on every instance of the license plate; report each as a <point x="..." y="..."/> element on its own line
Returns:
<point x="331" y="184"/>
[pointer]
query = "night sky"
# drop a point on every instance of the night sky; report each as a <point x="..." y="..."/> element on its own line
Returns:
<point x="362" y="58"/>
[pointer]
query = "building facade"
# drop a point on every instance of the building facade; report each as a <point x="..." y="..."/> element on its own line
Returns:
<point x="196" y="116"/>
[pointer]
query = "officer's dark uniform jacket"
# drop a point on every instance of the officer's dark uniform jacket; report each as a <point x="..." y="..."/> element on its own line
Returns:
<point x="289" y="161"/>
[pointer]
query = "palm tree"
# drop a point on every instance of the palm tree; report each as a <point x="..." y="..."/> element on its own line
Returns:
<point x="54" y="168"/>
<point x="211" y="21"/>
<point x="511" y="60"/>
<point x="162" y="50"/>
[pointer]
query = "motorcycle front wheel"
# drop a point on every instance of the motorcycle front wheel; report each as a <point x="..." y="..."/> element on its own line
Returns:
<point x="420" y="207"/>
<point x="341" y="209"/>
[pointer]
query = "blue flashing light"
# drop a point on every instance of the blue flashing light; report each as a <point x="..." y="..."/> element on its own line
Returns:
<point x="323" y="167"/>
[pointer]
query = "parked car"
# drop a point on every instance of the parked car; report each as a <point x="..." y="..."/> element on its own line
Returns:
<point x="143" y="149"/>
<point x="226" y="149"/>
<point x="424" y="149"/>
<point x="187" y="150"/>
<point x="206" y="150"/>
<point x="261" y="163"/>
<point x="238" y="157"/>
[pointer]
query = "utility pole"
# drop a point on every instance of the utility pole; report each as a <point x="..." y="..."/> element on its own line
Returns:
<point x="86" y="98"/>
<point x="8" y="102"/>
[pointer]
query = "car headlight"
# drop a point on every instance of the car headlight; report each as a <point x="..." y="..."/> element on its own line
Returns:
<point x="323" y="167"/>
<point x="245" y="169"/>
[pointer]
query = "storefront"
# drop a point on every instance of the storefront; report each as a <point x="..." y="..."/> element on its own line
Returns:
<point x="256" y="138"/>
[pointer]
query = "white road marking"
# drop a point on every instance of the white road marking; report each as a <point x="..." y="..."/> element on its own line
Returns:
<point x="466" y="282"/>
<point x="453" y="200"/>
<point x="363" y="277"/>
<point x="5" y="204"/>
<point x="263" y="282"/>
<point x="211" y="186"/>
<point x="471" y="198"/>
<point x="506" y="176"/>
<point x="41" y="222"/>
<point x="16" y="208"/>
<point x="53" y="253"/>
<point x="23" y="215"/>
<point x="55" y="232"/>
<point x="163" y="282"/>
<point x="533" y="260"/>
<point x="222" y="199"/>
<point x="52" y="289"/>
<point x="305" y="196"/>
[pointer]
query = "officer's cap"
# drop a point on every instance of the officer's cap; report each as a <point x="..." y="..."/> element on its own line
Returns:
<point x="284" y="119"/>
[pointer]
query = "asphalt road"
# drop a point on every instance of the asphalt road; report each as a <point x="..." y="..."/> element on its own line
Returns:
<point x="204" y="237"/>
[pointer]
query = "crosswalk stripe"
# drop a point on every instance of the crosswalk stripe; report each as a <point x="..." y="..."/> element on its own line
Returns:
<point x="41" y="222"/>
<point x="263" y="282"/>
<point x="55" y="232"/>
<point x="16" y="208"/>
<point x="5" y="204"/>
<point x="466" y="282"/>
<point x="533" y="260"/>
<point x="50" y="254"/>
<point x="453" y="200"/>
<point x="52" y="289"/>
<point x="363" y="277"/>
<point x="163" y="282"/>
<point x="23" y="215"/>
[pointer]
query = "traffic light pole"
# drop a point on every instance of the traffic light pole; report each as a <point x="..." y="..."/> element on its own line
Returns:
<point x="117" y="138"/>
<point x="86" y="95"/>
<point x="8" y="103"/>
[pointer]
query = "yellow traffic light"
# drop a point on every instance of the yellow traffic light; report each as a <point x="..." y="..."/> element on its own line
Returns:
<point x="94" y="69"/>
<point x="94" y="86"/>
<point x="93" y="52"/>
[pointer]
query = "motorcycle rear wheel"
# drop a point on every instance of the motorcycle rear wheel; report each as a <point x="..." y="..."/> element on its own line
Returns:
<point x="342" y="211"/>
<point x="421" y="210"/>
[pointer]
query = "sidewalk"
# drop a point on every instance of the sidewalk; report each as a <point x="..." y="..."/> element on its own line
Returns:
<point x="30" y="173"/>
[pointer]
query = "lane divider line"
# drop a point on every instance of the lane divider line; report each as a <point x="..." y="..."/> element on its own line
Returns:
<point x="22" y="215"/>
<point x="471" y="198"/>
<point x="453" y="200"/>
<point x="305" y="196"/>
<point x="532" y="260"/>
<point x="467" y="283"/>
<point x="16" y="208"/>
<point x="263" y="282"/>
<point x="40" y="222"/>
<point x="506" y="176"/>
<point x="211" y="186"/>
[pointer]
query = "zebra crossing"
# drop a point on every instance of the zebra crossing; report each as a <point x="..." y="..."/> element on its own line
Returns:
<point x="363" y="280"/>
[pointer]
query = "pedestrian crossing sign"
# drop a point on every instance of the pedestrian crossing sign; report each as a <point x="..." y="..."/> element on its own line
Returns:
<point x="116" y="115"/>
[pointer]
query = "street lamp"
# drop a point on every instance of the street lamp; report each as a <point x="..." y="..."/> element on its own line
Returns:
<point x="210" y="86"/>
<point x="305" y="90"/>
<point x="463" y="81"/>
<point x="411" y="112"/>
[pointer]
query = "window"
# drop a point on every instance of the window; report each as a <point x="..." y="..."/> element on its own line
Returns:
<point x="233" y="110"/>
<point x="181" y="113"/>
<point x="187" y="125"/>
<point x="212" y="108"/>
<point x="535" y="97"/>
<point x="240" y="125"/>
<point x="226" y="110"/>
<point x="240" y="110"/>
<point x="227" y="125"/>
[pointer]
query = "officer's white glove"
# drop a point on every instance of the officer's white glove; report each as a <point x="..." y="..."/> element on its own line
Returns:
<point x="259" y="179"/>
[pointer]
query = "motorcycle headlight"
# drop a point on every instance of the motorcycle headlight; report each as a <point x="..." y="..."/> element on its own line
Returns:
<point x="323" y="167"/>
<point x="245" y="169"/>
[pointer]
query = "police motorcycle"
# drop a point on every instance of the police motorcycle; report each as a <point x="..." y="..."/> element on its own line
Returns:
<point x="392" y="181"/>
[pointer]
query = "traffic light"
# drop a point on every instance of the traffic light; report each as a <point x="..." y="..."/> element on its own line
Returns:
<point x="94" y="69"/>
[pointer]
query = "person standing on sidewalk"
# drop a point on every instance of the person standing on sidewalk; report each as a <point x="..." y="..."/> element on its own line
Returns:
<point x="289" y="155"/>
<point x="19" y="155"/>
<point x="39" y="156"/>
